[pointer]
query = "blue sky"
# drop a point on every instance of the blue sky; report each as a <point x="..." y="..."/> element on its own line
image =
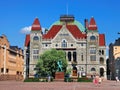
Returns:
<point x="15" y="15"/>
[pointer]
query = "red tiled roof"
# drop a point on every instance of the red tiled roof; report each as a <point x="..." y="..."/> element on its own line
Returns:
<point x="74" y="30"/>
<point x="27" y="40"/>
<point x="36" y="25"/>
<point x="101" y="40"/>
<point x="92" y="24"/>
<point x="52" y="32"/>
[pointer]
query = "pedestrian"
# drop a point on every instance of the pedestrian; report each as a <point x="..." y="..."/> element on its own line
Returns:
<point x="92" y="77"/>
<point x="100" y="80"/>
<point x="95" y="81"/>
<point x="49" y="78"/>
<point x="116" y="78"/>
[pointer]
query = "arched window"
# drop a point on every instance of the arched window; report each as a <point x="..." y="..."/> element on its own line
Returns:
<point x="99" y="52"/>
<point x="69" y="56"/>
<point x="64" y="43"/>
<point x="35" y="38"/>
<point x="102" y="52"/>
<point x="93" y="69"/>
<point x="74" y="56"/>
<point x="92" y="38"/>
<point x="101" y="60"/>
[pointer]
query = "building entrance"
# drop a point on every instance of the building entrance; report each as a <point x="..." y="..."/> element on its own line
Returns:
<point x="74" y="71"/>
<point x="101" y="72"/>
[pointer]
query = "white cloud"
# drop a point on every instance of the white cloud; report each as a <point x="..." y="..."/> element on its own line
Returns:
<point x="107" y="57"/>
<point x="25" y="30"/>
<point x="107" y="47"/>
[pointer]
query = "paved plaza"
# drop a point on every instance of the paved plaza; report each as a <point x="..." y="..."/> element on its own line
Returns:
<point x="17" y="85"/>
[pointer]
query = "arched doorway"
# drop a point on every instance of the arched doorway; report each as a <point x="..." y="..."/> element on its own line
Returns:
<point x="101" y="71"/>
<point x="93" y="71"/>
<point x="74" y="71"/>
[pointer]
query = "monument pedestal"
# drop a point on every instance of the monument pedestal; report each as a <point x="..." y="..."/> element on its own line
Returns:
<point x="59" y="76"/>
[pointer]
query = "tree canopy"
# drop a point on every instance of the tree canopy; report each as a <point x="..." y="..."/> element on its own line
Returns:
<point x="47" y="63"/>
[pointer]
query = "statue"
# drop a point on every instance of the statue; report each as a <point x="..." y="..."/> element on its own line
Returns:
<point x="59" y="68"/>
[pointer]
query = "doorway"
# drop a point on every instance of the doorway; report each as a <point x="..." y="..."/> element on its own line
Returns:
<point x="74" y="71"/>
<point x="101" y="71"/>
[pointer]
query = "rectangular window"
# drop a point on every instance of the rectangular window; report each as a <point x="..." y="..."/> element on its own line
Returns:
<point x="92" y="50"/>
<point x="35" y="57"/>
<point x="7" y="70"/>
<point x="93" y="57"/>
<point x="82" y="44"/>
<point x="35" y="51"/>
<point x="2" y="70"/>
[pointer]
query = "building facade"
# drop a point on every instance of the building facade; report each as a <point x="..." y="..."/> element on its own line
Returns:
<point x="114" y="59"/>
<point x="84" y="47"/>
<point x="11" y="58"/>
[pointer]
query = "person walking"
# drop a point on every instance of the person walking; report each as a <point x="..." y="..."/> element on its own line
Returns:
<point x="95" y="81"/>
<point x="100" y="80"/>
<point x="117" y="80"/>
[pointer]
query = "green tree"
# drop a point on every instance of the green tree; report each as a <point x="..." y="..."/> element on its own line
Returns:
<point x="47" y="64"/>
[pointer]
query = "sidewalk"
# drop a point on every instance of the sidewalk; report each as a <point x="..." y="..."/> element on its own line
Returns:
<point x="17" y="85"/>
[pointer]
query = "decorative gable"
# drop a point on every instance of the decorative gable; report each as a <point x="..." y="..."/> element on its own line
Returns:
<point x="36" y="25"/>
<point x="73" y="29"/>
<point x="92" y="25"/>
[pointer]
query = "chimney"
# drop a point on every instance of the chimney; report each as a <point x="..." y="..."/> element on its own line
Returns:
<point x="86" y="23"/>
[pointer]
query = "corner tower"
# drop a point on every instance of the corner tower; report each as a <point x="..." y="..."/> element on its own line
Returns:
<point x="35" y="45"/>
<point x="96" y="50"/>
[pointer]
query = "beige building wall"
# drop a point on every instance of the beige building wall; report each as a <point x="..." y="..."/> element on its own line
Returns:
<point x="11" y="59"/>
<point x="116" y="51"/>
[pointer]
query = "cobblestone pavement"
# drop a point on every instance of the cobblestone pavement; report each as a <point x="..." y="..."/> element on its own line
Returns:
<point x="17" y="85"/>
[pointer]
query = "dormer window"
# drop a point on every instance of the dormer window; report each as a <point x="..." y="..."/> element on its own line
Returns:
<point x="35" y="38"/>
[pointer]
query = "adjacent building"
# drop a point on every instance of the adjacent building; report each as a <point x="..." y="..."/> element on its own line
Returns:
<point x="11" y="59"/>
<point x="84" y="46"/>
<point x="114" y="59"/>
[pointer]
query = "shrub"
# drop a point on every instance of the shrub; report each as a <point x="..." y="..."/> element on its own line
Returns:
<point x="31" y="80"/>
<point x="84" y="79"/>
<point x="66" y="79"/>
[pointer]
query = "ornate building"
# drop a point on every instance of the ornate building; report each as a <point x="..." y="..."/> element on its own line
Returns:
<point x="11" y="59"/>
<point x="84" y="47"/>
